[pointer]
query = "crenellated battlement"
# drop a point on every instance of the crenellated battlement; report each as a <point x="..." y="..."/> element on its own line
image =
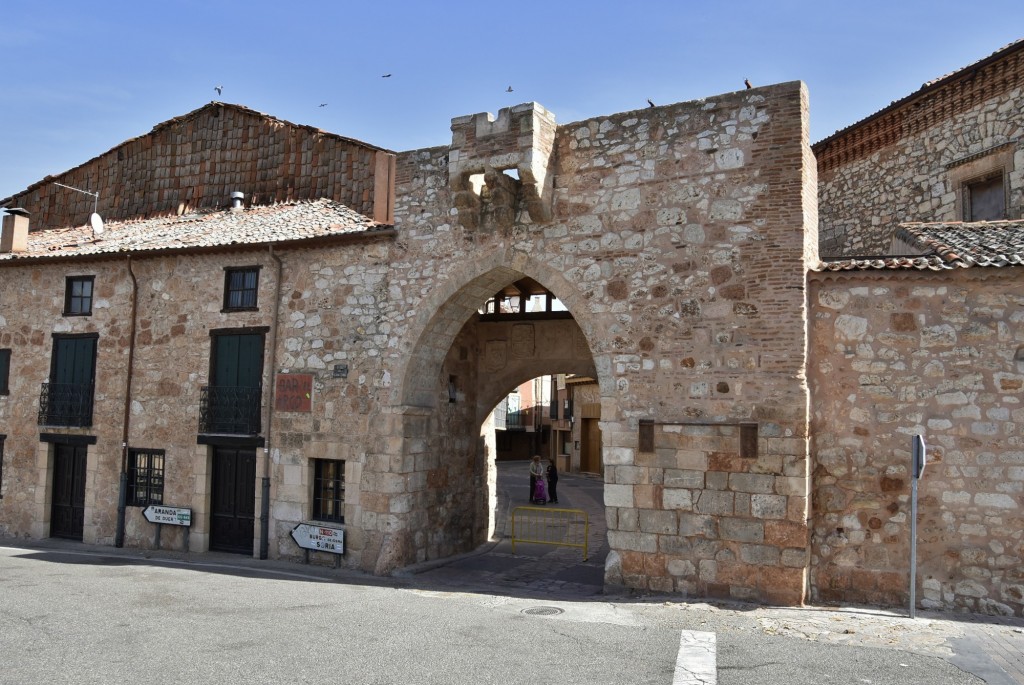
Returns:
<point x="521" y="138"/>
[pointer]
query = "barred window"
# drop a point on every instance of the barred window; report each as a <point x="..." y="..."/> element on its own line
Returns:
<point x="240" y="288"/>
<point x="329" y="490"/>
<point x="78" y="296"/>
<point x="145" y="477"/>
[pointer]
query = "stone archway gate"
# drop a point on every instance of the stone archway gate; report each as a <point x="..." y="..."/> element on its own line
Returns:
<point x="677" y="237"/>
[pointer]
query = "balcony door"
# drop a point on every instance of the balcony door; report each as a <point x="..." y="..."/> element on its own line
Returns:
<point x="238" y="360"/>
<point x="236" y="377"/>
<point x="68" y="397"/>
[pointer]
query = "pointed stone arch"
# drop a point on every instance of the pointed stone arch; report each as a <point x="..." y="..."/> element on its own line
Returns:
<point x="424" y="486"/>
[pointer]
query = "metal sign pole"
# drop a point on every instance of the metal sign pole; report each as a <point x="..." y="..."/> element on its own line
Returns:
<point x="918" y="460"/>
<point x="913" y="548"/>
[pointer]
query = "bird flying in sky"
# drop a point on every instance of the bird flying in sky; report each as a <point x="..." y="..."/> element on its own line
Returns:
<point x="219" y="89"/>
<point x="509" y="89"/>
<point x="386" y="76"/>
<point x="323" y="104"/>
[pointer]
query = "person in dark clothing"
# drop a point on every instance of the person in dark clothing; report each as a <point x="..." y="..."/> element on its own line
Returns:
<point x="552" y="475"/>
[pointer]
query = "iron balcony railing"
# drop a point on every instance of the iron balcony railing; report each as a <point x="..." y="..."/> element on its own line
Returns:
<point x="66" y="404"/>
<point x="229" y="411"/>
<point x="516" y="420"/>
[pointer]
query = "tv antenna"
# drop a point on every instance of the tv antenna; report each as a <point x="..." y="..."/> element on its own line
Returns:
<point x="95" y="220"/>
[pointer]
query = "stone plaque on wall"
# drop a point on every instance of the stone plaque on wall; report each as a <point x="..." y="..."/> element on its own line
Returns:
<point x="523" y="340"/>
<point x="293" y="392"/>
<point x="495" y="355"/>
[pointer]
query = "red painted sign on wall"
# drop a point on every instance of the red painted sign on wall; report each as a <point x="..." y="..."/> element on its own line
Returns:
<point x="294" y="392"/>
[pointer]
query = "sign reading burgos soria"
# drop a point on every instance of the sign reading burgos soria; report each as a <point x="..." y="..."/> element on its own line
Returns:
<point x="319" y="538"/>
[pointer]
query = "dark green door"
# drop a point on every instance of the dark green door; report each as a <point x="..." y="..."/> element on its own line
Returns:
<point x="67" y="513"/>
<point x="238" y="361"/>
<point x="233" y="500"/>
<point x="236" y="377"/>
<point x="74" y="361"/>
<point x="72" y="377"/>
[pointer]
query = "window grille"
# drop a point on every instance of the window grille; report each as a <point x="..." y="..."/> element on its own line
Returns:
<point x="329" y="490"/>
<point x="145" y="477"/>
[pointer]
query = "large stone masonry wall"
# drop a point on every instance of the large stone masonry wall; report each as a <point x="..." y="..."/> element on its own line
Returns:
<point x="678" y="244"/>
<point x="940" y="355"/>
<point x="918" y="176"/>
<point x="179" y="302"/>
<point x="28" y="323"/>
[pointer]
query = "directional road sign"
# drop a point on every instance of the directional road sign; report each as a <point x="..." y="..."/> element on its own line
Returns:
<point x="319" y="538"/>
<point x="173" y="516"/>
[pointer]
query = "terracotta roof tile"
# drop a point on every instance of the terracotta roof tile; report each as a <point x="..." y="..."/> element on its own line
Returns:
<point x="926" y="88"/>
<point x="283" y="222"/>
<point x="948" y="245"/>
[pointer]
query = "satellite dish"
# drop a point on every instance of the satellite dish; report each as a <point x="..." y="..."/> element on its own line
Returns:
<point x="97" y="224"/>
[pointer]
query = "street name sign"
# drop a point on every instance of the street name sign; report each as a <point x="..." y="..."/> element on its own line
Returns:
<point x="172" y="516"/>
<point x="319" y="538"/>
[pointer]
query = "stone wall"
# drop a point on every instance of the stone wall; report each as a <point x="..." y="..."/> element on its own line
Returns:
<point x="196" y="161"/>
<point x="677" y="243"/>
<point x="896" y="354"/>
<point x="910" y="163"/>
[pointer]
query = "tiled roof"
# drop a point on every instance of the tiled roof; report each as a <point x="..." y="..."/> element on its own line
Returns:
<point x="285" y="222"/>
<point x="973" y="65"/>
<point x="941" y="246"/>
<point x="926" y="89"/>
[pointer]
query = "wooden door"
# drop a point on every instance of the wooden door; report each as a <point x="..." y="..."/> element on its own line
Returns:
<point x="236" y="376"/>
<point x="233" y="500"/>
<point x="72" y="377"/>
<point x="238" y="360"/>
<point x="67" y="513"/>
<point x="590" y="447"/>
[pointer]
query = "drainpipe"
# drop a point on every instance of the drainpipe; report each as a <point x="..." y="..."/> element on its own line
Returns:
<point x="122" y="494"/>
<point x="265" y="501"/>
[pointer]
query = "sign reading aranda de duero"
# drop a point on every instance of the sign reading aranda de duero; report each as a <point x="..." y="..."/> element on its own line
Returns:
<point x="172" y="516"/>
<point x="319" y="538"/>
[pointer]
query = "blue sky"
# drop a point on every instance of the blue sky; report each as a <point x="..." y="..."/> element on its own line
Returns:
<point x="82" y="77"/>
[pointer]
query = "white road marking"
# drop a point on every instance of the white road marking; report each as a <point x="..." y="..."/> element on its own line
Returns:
<point x="696" y="663"/>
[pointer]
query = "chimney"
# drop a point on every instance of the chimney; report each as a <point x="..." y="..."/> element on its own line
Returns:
<point x="236" y="201"/>
<point x="14" y="232"/>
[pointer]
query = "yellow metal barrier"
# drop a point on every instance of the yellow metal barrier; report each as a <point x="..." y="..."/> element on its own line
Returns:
<point x="551" y="526"/>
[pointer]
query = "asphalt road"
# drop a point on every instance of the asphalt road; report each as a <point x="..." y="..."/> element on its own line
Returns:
<point x="83" y="617"/>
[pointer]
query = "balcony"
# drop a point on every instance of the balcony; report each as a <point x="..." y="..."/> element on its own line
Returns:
<point x="66" y="404"/>
<point x="229" y="411"/>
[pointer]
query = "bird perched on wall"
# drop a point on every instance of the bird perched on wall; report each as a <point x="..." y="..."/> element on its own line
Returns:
<point x="650" y="103"/>
<point x="746" y="82"/>
<point x="219" y="89"/>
